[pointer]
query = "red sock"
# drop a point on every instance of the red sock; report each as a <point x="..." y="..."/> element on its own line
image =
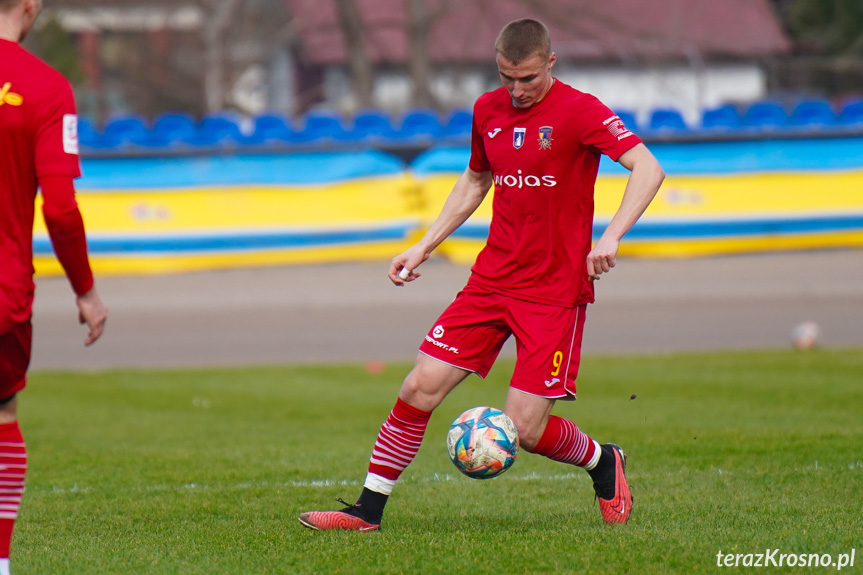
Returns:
<point x="563" y="441"/>
<point x="397" y="445"/>
<point x="13" y="465"/>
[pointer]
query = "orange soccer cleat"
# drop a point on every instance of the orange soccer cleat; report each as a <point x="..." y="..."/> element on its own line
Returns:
<point x="612" y="491"/>
<point x="348" y="519"/>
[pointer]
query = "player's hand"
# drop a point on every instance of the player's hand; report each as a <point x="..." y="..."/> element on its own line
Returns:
<point x="602" y="257"/>
<point x="93" y="312"/>
<point x="403" y="266"/>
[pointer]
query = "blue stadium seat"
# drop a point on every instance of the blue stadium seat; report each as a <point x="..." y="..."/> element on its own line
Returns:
<point x="171" y="128"/>
<point x="91" y="138"/>
<point x="420" y="125"/>
<point x="215" y="130"/>
<point x="766" y="114"/>
<point x="722" y="118"/>
<point x="459" y="125"/>
<point x="126" y="129"/>
<point x="271" y="128"/>
<point x="372" y="125"/>
<point x="628" y="118"/>
<point x="321" y="125"/>
<point x="814" y="113"/>
<point x="666" y="119"/>
<point x="852" y="112"/>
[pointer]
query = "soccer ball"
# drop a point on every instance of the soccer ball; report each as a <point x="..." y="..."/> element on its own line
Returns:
<point x="482" y="442"/>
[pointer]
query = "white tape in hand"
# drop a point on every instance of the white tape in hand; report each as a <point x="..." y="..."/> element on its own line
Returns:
<point x="404" y="273"/>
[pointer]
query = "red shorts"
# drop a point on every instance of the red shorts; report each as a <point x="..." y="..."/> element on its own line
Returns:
<point x="473" y="329"/>
<point x="14" y="358"/>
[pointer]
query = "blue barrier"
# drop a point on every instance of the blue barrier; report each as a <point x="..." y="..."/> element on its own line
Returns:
<point x="234" y="241"/>
<point x="728" y="157"/>
<point x="652" y="230"/>
<point x="267" y="169"/>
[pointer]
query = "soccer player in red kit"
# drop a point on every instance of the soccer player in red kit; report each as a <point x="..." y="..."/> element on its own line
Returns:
<point x="538" y="142"/>
<point x="38" y="149"/>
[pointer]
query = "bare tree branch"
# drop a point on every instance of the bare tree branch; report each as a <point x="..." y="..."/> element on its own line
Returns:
<point x="219" y="14"/>
<point x="358" y="59"/>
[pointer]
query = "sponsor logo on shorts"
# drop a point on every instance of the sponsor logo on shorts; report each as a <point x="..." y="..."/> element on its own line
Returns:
<point x="552" y="382"/>
<point x="438" y="332"/>
<point x="442" y="345"/>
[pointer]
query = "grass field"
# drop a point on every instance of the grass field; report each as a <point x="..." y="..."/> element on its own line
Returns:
<point x="204" y="471"/>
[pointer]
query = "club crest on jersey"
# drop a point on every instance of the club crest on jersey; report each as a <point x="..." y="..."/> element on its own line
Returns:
<point x="545" y="138"/>
<point x="518" y="137"/>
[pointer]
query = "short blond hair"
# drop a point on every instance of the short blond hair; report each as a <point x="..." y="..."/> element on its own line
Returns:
<point x="522" y="39"/>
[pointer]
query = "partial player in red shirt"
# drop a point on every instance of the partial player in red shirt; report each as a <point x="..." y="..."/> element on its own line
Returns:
<point x="38" y="149"/>
<point x="538" y="142"/>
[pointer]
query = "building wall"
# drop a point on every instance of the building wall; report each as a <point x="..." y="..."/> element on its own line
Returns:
<point x="683" y="88"/>
<point x="639" y="91"/>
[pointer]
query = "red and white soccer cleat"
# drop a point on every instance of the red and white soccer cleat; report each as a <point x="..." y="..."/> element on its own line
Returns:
<point x="347" y="519"/>
<point x="615" y="499"/>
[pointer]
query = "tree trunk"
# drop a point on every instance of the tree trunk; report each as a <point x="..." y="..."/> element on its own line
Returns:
<point x="359" y="65"/>
<point x="219" y="13"/>
<point x="419" y="64"/>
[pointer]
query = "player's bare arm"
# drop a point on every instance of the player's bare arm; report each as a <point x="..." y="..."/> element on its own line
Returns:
<point x="66" y="229"/>
<point x="644" y="180"/>
<point x="466" y="196"/>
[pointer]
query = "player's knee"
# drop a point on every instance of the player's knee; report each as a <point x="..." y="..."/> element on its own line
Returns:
<point x="421" y="389"/>
<point x="411" y="386"/>
<point x="429" y="382"/>
<point x="8" y="409"/>
<point x="528" y="433"/>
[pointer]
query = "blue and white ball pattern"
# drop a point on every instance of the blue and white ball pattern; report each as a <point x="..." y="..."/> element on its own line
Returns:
<point x="482" y="442"/>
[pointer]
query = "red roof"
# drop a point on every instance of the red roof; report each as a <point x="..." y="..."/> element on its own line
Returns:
<point x="580" y="29"/>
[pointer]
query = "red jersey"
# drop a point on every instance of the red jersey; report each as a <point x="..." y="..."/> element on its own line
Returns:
<point x="544" y="160"/>
<point x="38" y="138"/>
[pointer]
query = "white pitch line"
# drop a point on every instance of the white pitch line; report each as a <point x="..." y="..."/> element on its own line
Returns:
<point x="434" y="478"/>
